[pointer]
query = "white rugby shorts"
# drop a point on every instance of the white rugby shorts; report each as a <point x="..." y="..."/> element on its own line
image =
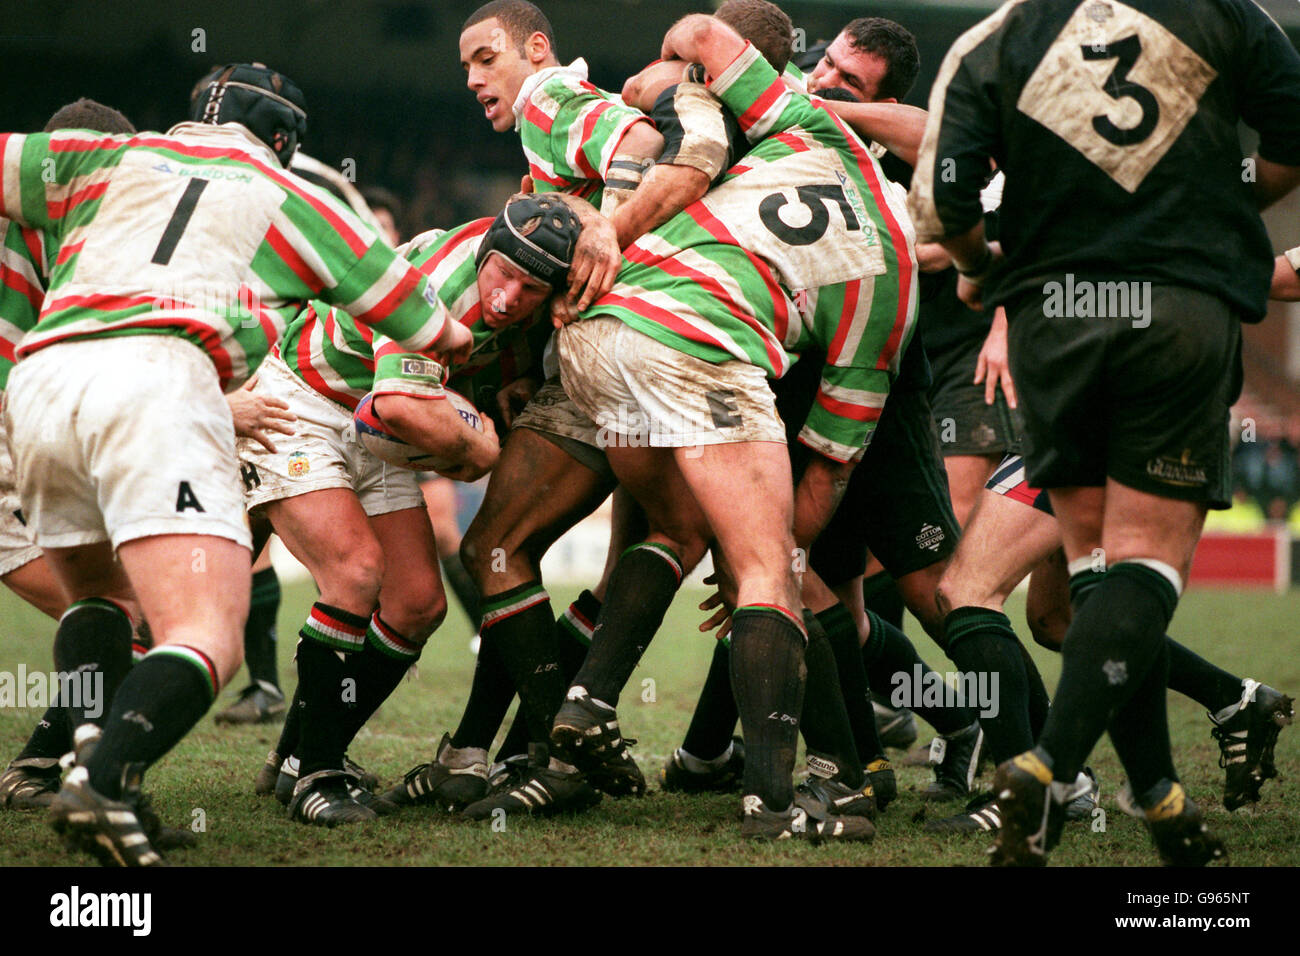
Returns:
<point x="640" y="392"/>
<point x="322" y="453"/>
<point x="120" y="438"/>
<point x="16" y="545"/>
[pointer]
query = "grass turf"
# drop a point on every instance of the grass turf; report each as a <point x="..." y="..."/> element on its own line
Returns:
<point x="209" y="776"/>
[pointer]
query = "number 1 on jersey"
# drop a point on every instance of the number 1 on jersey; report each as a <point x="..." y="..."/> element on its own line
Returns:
<point x="180" y="219"/>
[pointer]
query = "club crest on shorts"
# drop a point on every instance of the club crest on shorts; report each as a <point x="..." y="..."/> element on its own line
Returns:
<point x="299" y="465"/>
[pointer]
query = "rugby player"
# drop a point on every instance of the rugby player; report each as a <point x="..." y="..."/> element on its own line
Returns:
<point x="360" y="525"/>
<point x="583" y="141"/>
<point x="1013" y="533"/>
<point x="94" y="634"/>
<point x="901" y="479"/>
<point x="146" y="468"/>
<point x="646" y="358"/>
<point x="1110" y="175"/>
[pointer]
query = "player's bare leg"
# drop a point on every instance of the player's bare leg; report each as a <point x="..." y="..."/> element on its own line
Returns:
<point x="441" y="500"/>
<point x="36" y="584"/>
<point x="1129" y="554"/>
<point x="537" y="492"/>
<point x="194" y="591"/>
<point x="967" y="475"/>
<point x="746" y="493"/>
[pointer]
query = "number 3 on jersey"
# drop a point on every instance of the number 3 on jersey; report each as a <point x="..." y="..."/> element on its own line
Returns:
<point x="1117" y="86"/>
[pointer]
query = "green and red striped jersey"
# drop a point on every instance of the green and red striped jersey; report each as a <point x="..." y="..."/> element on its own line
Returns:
<point x="570" y="130"/>
<point x="804" y="244"/>
<point x="200" y="234"/>
<point x="343" y="360"/>
<point x="23" y="267"/>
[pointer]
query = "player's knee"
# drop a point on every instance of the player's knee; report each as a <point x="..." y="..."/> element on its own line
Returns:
<point x="353" y="583"/>
<point x="479" y="553"/>
<point x="1048" y="628"/>
<point x="420" y="611"/>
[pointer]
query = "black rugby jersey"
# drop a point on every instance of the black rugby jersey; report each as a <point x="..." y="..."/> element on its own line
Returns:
<point x="1116" y="124"/>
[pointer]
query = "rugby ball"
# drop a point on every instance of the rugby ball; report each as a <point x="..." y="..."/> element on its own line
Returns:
<point x="376" y="438"/>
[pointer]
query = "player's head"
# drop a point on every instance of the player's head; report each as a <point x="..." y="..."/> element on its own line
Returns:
<point x="763" y="24"/>
<point x="501" y="45"/>
<point x="88" y="114"/>
<point x="873" y="58"/>
<point x="268" y="104"/>
<point x="525" y="256"/>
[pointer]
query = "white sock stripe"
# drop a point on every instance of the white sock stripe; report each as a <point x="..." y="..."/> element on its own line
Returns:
<point x="1079" y="565"/>
<point x="1160" y="568"/>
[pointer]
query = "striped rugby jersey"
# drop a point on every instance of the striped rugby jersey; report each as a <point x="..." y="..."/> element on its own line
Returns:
<point x="805" y="244"/>
<point x="570" y="130"/>
<point x="23" y="268"/>
<point x="199" y="234"/>
<point x="343" y="360"/>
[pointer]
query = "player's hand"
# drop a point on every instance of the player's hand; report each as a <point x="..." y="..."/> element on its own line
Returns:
<point x="596" y="261"/>
<point x="563" y="312"/>
<point x="932" y="257"/>
<point x="481" y="462"/>
<point x="454" y="344"/>
<point x="256" y="415"/>
<point x="720" y="620"/>
<point x="970" y="289"/>
<point x="512" y="398"/>
<point x="526" y="185"/>
<point x="682" y="39"/>
<point x="992" y="367"/>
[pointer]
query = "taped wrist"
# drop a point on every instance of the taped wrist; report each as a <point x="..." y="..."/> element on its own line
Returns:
<point x="624" y="176"/>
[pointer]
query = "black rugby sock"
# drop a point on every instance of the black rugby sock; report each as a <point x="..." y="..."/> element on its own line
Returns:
<point x="714" y="721"/>
<point x="490" y="694"/>
<point x="575" y="627"/>
<point x="259" y="631"/>
<point x="1038" y="700"/>
<point x="981" y="642"/>
<point x="516" y="742"/>
<point x="832" y="751"/>
<point x="767" y="676"/>
<point x="1115" y="638"/>
<point x="520" y="624"/>
<point x="51" y="739"/>
<point x="842" y="635"/>
<point x="1139" y="730"/>
<point x="93" y="647"/>
<point x="1195" y="677"/>
<point x="881" y="596"/>
<point x="377" y="669"/>
<point x="159" y="701"/>
<point x="641" y="589"/>
<point x="326" y="692"/>
<point x="887" y="653"/>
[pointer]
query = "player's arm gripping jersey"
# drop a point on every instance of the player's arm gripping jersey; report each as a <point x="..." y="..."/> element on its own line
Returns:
<point x="22" y="288"/>
<point x="570" y="131"/>
<point x="198" y="234"/>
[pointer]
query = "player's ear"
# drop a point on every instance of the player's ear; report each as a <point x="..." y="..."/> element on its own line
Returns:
<point x="539" y="48"/>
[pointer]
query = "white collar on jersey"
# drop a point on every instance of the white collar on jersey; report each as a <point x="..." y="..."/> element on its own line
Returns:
<point x="576" y="69"/>
<point x="230" y="135"/>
